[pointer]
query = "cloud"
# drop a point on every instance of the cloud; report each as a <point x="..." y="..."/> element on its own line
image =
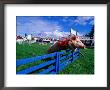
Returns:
<point x="65" y="19"/>
<point x="83" y="20"/>
<point x="37" y="26"/>
<point x="45" y="28"/>
<point x="57" y="34"/>
<point x="91" y="22"/>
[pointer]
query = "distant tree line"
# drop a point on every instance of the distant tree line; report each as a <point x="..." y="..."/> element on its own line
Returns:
<point x="91" y="33"/>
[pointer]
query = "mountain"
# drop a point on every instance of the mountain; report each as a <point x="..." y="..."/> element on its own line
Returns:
<point x="55" y="34"/>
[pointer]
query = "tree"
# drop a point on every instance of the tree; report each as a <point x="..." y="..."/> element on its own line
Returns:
<point x="91" y="33"/>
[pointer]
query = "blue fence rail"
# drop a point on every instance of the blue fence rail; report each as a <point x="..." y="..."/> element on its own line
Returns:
<point x="50" y="63"/>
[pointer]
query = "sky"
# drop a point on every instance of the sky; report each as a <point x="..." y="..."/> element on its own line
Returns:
<point x="53" y="25"/>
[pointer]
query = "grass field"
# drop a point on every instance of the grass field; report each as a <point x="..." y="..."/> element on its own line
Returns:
<point x="83" y="65"/>
<point x="26" y="50"/>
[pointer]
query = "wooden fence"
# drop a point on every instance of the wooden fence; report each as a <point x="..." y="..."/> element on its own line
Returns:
<point x="48" y="64"/>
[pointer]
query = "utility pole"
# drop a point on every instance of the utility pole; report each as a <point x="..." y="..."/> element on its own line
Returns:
<point x="70" y="32"/>
<point x="76" y="33"/>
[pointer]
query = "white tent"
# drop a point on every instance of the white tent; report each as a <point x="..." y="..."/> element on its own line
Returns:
<point x="73" y="31"/>
<point x="29" y="37"/>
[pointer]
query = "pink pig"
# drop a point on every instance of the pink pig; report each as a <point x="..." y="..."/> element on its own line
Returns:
<point x="72" y="42"/>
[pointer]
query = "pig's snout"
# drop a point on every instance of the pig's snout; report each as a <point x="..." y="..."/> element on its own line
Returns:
<point x="83" y="46"/>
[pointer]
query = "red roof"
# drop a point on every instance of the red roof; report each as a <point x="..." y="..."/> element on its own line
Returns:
<point x="19" y="37"/>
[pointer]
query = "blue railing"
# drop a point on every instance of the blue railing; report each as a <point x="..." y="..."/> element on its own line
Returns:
<point x="50" y="63"/>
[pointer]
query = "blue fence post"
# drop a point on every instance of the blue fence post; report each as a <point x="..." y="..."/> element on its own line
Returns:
<point x="72" y="56"/>
<point x="57" y="62"/>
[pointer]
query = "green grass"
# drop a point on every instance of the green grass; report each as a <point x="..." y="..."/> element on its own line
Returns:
<point x="26" y="50"/>
<point x="83" y="65"/>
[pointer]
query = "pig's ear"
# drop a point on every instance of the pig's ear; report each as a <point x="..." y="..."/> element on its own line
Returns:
<point x="73" y="37"/>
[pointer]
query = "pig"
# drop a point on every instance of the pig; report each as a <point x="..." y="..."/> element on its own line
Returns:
<point x="72" y="42"/>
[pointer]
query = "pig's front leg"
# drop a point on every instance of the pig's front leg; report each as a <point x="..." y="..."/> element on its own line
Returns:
<point x="71" y="46"/>
<point x="53" y="48"/>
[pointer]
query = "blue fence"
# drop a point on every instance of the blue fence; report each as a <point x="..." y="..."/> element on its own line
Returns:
<point x="48" y="64"/>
